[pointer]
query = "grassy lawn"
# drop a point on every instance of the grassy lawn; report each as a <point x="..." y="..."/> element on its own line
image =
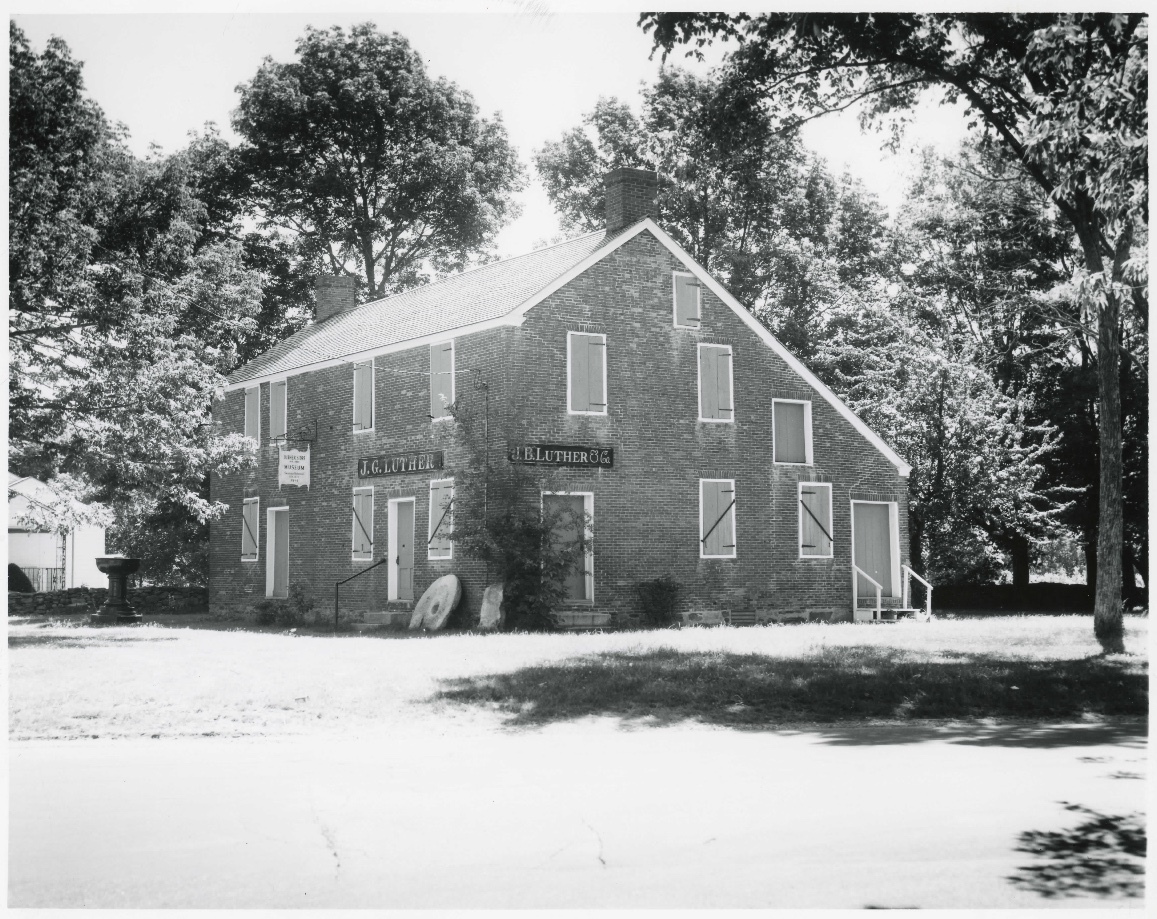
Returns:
<point x="73" y="681"/>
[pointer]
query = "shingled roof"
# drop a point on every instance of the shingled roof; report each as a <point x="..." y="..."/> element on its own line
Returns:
<point x="480" y="294"/>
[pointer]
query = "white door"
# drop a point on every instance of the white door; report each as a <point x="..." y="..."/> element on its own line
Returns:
<point x="872" y="547"/>
<point x="401" y="550"/>
<point x="277" y="554"/>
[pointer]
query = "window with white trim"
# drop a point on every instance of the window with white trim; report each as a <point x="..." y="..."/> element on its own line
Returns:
<point x="687" y="302"/>
<point x="815" y="520"/>
<point x="250" y="528"/>
<point x="278" y="409"/>
<point x="792" y="431"/>
<point x="253" y="412"/>
<point x="363" y="524"/>
<point x="586" y="377"/>
<point x="716" y="391"/>
<point x="441" y="379"/>
<point x="364" y="396"/>
<point x="441" y="521"/>
<point x="717" y="518"/>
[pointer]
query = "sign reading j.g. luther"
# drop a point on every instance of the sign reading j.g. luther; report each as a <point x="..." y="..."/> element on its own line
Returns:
<point x="373" y="466"/>
<point x="589" y="457"/>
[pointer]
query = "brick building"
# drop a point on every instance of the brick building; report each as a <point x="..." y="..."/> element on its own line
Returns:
<point x="698" y="446"/>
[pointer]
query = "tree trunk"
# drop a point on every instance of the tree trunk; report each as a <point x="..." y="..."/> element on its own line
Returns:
<point x="1091" y="564"/>
<point x="1108" y="625"/>
<point x="1020" y="562"/>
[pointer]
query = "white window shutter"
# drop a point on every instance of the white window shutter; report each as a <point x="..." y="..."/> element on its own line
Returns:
<point x="363" y="396"/>
<point x="253" y="412"/>
<point x="580" y="375"/>
<point x="686" y="300"/>
<point x="441" y="378"/>
<point x="277" y="409"/>
<point x="815" y="520"/>
<point x="596" y="355"/>
<point x="441" y="523"/>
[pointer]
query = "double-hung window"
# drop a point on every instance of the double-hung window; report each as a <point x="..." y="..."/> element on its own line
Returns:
<point x="441" y="379"/>
<point x="586" y="378"/>
<point x="716" y="393"/>
<point x="717" y="518"/>
<point x="253" y="412"/>
<point x="250" y="528"/>
<point x="278" y="410"/>
<point x="441" y="527"/>
<point x="363" y="524"/>
<point x="792" y="431"/>
<point x="364" y="396"/>
<point x="687" y="302"/>
<point x="815" y="520"/>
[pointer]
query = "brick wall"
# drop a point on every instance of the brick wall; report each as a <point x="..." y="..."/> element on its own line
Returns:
<point x="646" y="509"/>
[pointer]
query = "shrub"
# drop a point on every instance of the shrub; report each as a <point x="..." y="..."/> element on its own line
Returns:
<point x="657" y="601"/>
<point x="268" y="611"/>
<point x="300" y="607"/>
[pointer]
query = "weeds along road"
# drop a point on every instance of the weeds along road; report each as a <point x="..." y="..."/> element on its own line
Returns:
<point x="575" y="815"/>
<point x="158" y="767"/>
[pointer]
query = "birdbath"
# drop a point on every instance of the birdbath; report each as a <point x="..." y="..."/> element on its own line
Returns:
<point x="117" y="608"/>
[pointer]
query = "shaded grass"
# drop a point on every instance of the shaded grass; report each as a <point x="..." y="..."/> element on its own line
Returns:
<point x="73" y="680"/>
<point x="846" y="683"/>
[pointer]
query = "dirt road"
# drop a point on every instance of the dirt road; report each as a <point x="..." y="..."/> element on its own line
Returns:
<point x="583" y="814"/>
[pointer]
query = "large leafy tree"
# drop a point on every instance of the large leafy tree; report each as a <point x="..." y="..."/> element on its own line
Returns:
<point x="123" y="318"/>
<point x="365" y="165"/>
<point x="744" y="199"/>
<point x="977" y="458"/>
<point x="1064" y="95"/>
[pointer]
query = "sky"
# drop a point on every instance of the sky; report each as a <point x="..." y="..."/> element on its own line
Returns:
<point x="542" y="64"/>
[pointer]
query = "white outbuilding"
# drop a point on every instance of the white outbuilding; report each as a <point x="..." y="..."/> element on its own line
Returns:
<point x="52" y="560"/>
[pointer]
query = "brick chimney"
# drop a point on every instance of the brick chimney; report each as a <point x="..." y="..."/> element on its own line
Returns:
<point x="334" y="295"/>
<point x="632" y="194"/>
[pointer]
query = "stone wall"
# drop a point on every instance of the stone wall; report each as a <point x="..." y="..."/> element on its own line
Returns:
<point x="150" y="601"/>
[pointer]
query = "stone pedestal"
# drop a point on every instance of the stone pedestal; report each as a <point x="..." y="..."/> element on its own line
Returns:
<point x="117" y="610"/>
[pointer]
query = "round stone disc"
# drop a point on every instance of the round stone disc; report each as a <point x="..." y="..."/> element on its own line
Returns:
<point x="438" y="603"/>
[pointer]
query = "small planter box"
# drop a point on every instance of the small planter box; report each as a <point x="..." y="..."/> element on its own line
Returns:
<point x="703" y="617"/>
<point x="574" y="620"/>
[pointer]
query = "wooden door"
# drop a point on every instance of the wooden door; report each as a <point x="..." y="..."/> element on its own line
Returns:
<point x="872" y="547"/>
<point x="568" y="510"/>
<point x="404" y="559"/>
<point x="279" y="541"/>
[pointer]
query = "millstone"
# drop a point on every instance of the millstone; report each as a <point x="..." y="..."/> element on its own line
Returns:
<point x="491" y="608"/>
<point x="437" y="603"/>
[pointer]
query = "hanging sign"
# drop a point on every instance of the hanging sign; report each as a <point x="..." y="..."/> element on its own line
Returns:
<point x="588" y="457"/>
<point x="293" y="467"/>
<point x="372" y="466"/>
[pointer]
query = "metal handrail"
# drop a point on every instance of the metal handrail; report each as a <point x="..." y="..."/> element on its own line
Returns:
<point x="908" y="575"/>
<point x="338" y="584"/>
<point x="856" y="591"/>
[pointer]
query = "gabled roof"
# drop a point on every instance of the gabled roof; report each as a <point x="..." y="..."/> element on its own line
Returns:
<point x="476" y="296"/>
<point x="499" y="294"/>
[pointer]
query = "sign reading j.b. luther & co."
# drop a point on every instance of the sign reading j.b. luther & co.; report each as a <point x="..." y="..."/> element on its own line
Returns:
<point x="372" y="466"/>
<point x="589" y="457"/>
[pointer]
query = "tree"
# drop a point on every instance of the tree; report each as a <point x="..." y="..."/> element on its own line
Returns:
<point x="746" y="201"/>
<point x="977" y="459"/>
<point x="121" y="323"/>
<point x="499" y="519"/>
<point x="1063" y="95"/>
<point x="368" y="166"/>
